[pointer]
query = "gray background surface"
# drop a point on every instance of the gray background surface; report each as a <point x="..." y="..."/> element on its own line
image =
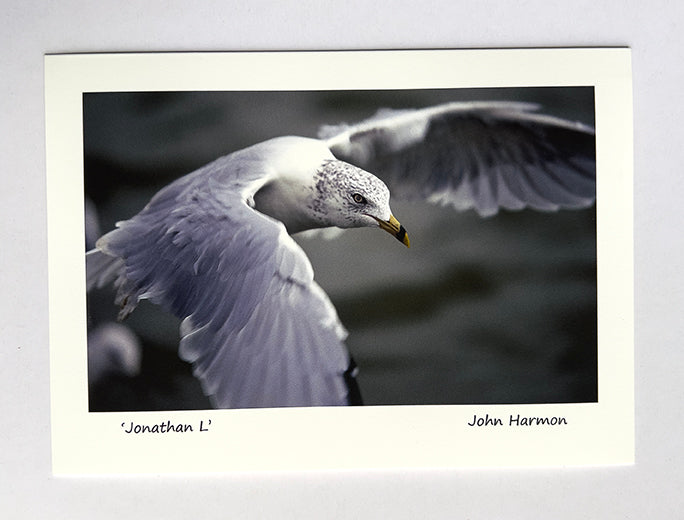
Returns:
<point x="650" y="489"/>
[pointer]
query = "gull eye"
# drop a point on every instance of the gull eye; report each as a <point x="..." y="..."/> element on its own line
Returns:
<point x="359" y="199"/>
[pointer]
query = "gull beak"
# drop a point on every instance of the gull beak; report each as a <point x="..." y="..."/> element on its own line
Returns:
<point x="395" y="229"/>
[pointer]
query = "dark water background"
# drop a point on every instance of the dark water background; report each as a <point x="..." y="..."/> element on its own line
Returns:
<point x="496" y="310"/>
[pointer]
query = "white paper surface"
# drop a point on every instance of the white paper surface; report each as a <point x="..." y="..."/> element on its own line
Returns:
<point x="321" y="438"/>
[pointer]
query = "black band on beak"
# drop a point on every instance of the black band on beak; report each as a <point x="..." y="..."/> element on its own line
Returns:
<point x="401" y="234"/>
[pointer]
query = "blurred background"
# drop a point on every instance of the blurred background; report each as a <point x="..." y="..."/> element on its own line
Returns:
<point x="497" y="310"/>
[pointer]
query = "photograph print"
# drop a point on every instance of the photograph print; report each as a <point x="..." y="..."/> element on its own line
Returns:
<point x="270" y="249"/>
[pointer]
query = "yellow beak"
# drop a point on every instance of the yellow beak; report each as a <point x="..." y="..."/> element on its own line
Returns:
<point x="395" y="229"/>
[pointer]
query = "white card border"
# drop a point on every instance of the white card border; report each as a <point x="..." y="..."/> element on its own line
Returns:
<point x="356" y="437"/>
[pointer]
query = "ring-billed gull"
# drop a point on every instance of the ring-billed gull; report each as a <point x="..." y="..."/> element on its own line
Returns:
<point x="210" y="247"/>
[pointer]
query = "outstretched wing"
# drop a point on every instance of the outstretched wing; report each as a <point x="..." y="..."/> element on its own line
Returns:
<point x="481" y="155"/>
<point x="257" y="329"/>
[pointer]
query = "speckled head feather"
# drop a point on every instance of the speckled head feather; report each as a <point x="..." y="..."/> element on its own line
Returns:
<point x="307" y="188"/>
<point x="346" y="196"/>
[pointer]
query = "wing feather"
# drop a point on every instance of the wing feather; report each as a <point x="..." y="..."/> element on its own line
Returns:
<point x="256" y="327"/>
<point x="482" y="156"/>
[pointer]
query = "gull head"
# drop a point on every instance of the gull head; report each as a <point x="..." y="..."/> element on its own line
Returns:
<point x="347" y="197"/>
<point x="309" y="188"/>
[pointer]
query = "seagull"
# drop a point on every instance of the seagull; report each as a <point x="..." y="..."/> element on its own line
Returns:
<point x="214" y="247"/>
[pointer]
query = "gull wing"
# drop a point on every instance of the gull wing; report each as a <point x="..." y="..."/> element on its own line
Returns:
<point x="474" y="155"/>
<point x="257" y="329"/>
